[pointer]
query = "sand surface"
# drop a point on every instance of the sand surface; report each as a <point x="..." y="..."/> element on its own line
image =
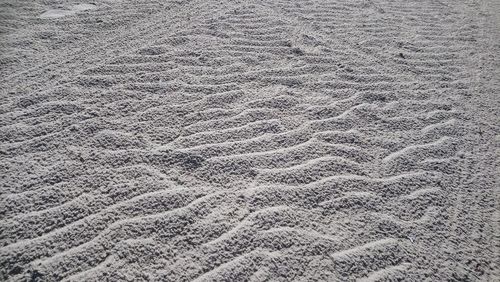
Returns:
<point x="202" y="140"/>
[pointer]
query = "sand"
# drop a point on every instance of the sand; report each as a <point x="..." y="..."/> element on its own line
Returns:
<point x="203" y="140"/>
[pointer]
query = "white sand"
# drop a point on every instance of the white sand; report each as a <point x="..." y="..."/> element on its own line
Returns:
<point x="201" y="140"/>
<point x="58" y="13"/>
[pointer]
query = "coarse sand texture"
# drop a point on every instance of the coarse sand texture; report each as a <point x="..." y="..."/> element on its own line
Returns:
<point x="231" y="140"/>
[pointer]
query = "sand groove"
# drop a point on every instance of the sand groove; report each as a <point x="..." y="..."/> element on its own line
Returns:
<point x="265" y="140"/>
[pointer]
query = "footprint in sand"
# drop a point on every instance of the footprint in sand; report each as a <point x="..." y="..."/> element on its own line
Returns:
<point x="59" y="13"/>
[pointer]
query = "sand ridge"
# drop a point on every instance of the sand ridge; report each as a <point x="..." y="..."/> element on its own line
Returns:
<point x="195" y="140"/>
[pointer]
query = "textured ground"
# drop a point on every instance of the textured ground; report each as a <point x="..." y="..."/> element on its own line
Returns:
<point x="310" y="140"/>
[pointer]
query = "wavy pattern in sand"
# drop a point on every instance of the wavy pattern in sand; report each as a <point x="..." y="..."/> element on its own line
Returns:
<point x="271" y="140"/>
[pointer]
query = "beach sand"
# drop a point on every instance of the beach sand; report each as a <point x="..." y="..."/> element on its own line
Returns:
<point x="203" y="140"/>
